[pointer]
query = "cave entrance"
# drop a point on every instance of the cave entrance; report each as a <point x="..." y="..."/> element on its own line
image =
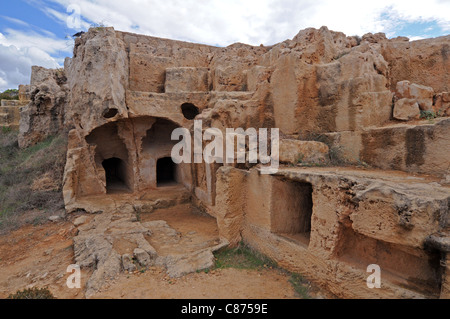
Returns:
<point x="115" y="173"/>
<point x="166" y="172"/>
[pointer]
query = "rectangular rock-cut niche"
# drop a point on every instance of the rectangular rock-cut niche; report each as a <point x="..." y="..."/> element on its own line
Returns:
<point x="291" y="210"/>
<point x="412" y="268"/>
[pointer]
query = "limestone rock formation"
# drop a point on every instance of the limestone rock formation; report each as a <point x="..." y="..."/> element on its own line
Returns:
<point x="329" y="95"/>
<point x="44" y="115"/>
<point x="97" y="76"/>
<point x="422" y="94"/>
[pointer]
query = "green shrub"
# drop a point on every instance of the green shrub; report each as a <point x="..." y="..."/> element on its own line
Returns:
<point x="10" y="95"/>
<point x="428" y="115"/>
<point x="32" y="293"/>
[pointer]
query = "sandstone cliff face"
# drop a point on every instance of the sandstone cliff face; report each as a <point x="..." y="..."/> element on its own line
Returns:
<point x="425" y="62"/>
<point x="45" y="114"/>
<point x="98" y="77"/>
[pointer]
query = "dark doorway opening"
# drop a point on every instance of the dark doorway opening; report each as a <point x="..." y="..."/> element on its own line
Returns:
<point x="165" y="171"/>
<point x="190" y="111"/>
<point x="115" y="175"/>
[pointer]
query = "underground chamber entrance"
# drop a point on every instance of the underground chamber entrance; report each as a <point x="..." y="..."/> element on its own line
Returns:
<point x="292" y="210"/>
<point x="115" y="175"/>
<point x="166" y="172"/>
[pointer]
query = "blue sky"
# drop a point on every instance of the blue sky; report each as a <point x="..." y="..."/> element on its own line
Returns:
<point x="38" y="32"/>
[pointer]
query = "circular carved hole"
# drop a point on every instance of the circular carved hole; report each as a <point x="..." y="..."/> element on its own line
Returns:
<point x="110" y="113"/>
<point x="190" y="111"/>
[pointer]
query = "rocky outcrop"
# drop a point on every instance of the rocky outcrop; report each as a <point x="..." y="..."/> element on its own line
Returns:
<point x="423" y="95"/>
<point x="94" y="246"/>
<point x="97" y="80"/>
<point x="324" y="81"/>
<point x="44" y="116"/>
<point x="425" y="62"/>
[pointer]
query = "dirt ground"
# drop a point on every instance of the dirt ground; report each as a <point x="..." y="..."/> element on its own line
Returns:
<point x="38" y="256"/>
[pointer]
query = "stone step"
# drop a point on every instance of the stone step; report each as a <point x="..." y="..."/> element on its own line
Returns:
<point x="418" y="147"/>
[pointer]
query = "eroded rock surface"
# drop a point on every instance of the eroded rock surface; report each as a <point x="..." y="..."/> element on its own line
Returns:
<point x="44" y="116"/>
<point x="113" y="242"/>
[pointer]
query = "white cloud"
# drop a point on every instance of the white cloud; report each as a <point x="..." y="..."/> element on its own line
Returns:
<point x="19" y="51"/>
<point x="31" y="39"/>
<point x="257" y="21"/>
<point x="415" y="38"/>
<point x="15" y="64"/>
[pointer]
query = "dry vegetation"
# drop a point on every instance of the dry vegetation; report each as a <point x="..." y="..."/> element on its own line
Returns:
<point x="30" y="180"/>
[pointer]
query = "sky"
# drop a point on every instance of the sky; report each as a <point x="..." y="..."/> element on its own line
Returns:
<point x="38" y="32"/>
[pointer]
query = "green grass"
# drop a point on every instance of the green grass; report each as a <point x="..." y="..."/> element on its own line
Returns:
<point x="6" y="129"/>
<point x="300" y="285"/>
<point x="19" y="168"/>
<point x="242" y="257"/>
<point x="32" y="150"/>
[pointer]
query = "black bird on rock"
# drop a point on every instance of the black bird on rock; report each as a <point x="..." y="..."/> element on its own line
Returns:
<point x="79" y="34"/>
